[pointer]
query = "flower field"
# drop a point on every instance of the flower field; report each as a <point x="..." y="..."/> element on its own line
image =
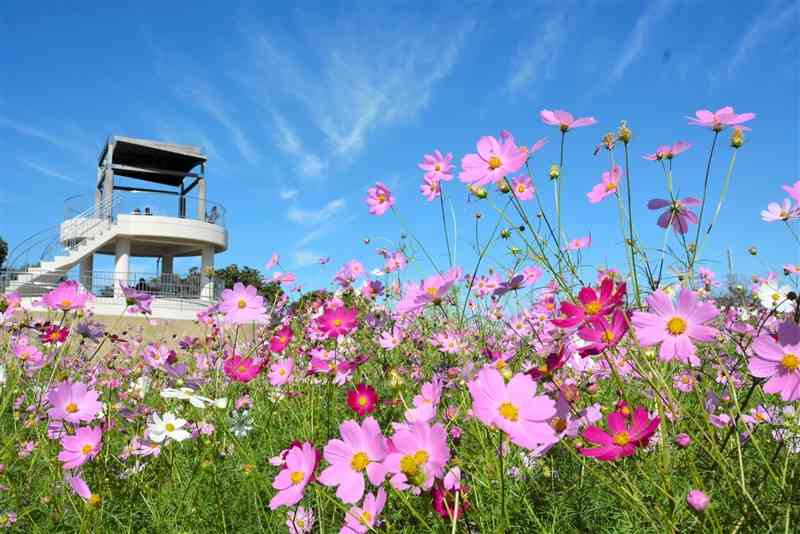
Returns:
<point x="549" y="397"/>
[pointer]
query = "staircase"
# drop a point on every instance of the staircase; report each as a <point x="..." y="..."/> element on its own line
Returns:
<point x="58" y="249"/>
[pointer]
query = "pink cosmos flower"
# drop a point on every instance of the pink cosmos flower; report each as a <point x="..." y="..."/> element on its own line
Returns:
<point x="675" y="327"/>
<point x="608" y="185"/>
<point x="80" y="487"/>
<point x="514" y="407"/>
<point x="66" y="297"/>
<point x="283" y="278"/>
<point x="720" y="119"/>
<point x="362" y="519"/>
<point x="281" y="339"/>
<point x="677" y="214"/>
<point x="780" y="363"/>
<point x="291" y="482"/>
<point x="621" y="439"/>
<point x="273" y="260"/>
<point x="242" y="305"/>
<point x="73" y="403"/>
<point x="79" y="448"/>
<point x="430" y="188"/>
<point x="777" y="212"/>
<point x="793" y="190"/>
<point x="300" y="521"/>
<point x="339" y="321"/>
<point x="698" y="500"/>
<point x="362" y="399"/>
<point x="361" y="449"/>
<point x="432" y="290"/>
<point x="668" y="152"/>
<point x="419" y="455"/>
<point x="137" y="301"/>
<point x="492" y="162"/>
<point x="580" y="243"/>
<point x="531" y="275"/>
<point x="437" y="167"/>
<point x="379" y="199"/>
<point x="241" y="369"/>
<point x="280" y="372"/>
<point x="591" y="304"/>
<point x="523" y="187"/>
<point x="564" y="119"/>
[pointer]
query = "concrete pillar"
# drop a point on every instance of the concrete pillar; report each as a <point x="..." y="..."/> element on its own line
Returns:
<point x="167" y="264"/>
<point x="86" y="267"/>
<point x="201" y="199"/>
<point x="108" y="191"/>
<point x="121" y="265"/>
<point x="206" y="269"/>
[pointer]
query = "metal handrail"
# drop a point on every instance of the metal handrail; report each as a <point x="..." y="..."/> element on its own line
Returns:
<point x="125" y="199"/>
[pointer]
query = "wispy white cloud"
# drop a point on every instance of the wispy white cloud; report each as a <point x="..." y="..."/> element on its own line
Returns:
<point x="637" y="42"/>
<point x="316" y="217"/>
<point x="304" y="258"/>
<point x="774" y="19"/>
<point x="306" y="163"/>
<point x="535" y="59"/>
<point x="63" y="142"/>
<point x="54" y="174"/>
<point x="288" y="194"/>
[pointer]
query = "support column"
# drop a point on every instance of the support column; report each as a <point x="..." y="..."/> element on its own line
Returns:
<point x="207" y="273"/>
<point x="86" y="267"/>
<point x="201" y="198"/>
<point x="121" y="264"/>
<point x="167" y="264"/>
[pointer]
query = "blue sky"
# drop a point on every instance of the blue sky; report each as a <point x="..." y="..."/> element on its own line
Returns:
<point x="300" y="109"/>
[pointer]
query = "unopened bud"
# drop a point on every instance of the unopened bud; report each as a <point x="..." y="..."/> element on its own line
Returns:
<point x="478" y="191"/>
<point x="503" y="186"/>
<point x="737" y="137"/>
<point x="555" y="171"/>
<point x="624" y="133"/>
<point x="752" y="250"/>
<point x="505" y="233"/>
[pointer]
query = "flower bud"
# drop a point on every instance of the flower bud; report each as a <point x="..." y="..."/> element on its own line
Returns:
<point x="752" y="250"/>
<point x="505" y="233"/>
<point x="683" y="440"/>
<point x="478" y="191"/>
<point x="503" y="186"/>
<point x="624" y="133"/>
<point x="698" y="500"/>
<point x="555" y="171"/>
<point x="737" y="137"/>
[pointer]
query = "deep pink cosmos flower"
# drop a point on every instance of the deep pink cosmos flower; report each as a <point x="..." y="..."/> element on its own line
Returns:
<point x="677" y="214"/>
<point x="81" y="447"/>
<point x="361" y="450"/>
<point x="720" y="119"/>
<point x="379" y="199"/>
<point x="621" y="439"/>
<point x="66" y="297"/>
<point x="362" y="399"/>
<point x="54" y="335"/>
<point x="280" y="372"/>
<point x="492" y="162"/>
<point x="281" y="339"/>
<point x="291" y="482"/>
<point x="437" y="167"/>
<point x="419" y="455"/>
<point x="242" y="305"/>
<point x="241" y="369"/>
<point x="514" y="407"/>
<point x="591" y="304"/>
<point x="602" y="333"/>
<point x="523" y="187"/>
<point x="675" y="327"/>
<point x="73" y="403"/>
<point x="779" y="362"/>
<point x="668" y="152"/>
<point x="364" y="518"/>
<point x="564" y="119"/>
<point x="609" y="185"/>
<point x="339" y="321"/>
<point x="793" y="190"/>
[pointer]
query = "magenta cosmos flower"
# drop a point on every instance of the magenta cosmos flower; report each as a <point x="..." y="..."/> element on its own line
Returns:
<point x="362" y="399"/>
<point x="379" y="199"/>
<point x="591" y="304"/>
<point x="668" y="152"/>
<point x="602" y="333"/>
<point x="564" y="119"/>
<point x="242" y="305"/>
<point x="361" y="450"/>
<point x="291" y="482"/>
<point x="514" y="407"/>
<point x="609" y="185"/>
<point x="492" y="162"/>
<point x="779" y="363"/>
<point x="437" y="167"/>
<point x="621" y="439"/>
<point x="66" y="297"/>
<point x="339" y="321"/>
<point x="73" y="403"/>
<point x="720" y="119"/>
<point x="241" y="369"/>
<point x="362" y="519"/>
<point x="281" y="339"/>
<point x="523" y="187"/>
<point x="419" y="456"/>
<point x="79" y="448"/>
<point x="676" y="214"/>
<point x="675" y="327"/>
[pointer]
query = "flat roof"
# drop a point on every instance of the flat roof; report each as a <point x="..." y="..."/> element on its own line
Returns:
<point x="144" y="158"/>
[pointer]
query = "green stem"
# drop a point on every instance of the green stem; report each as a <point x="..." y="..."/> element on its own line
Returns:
<point x="444" y="224"/>
<point x="725" y="185"/>
<point x="702" y="203"/>
<point x="631" y="242"/>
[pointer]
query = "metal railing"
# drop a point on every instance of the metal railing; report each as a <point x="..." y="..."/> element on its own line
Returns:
<point x="166" y="204"/>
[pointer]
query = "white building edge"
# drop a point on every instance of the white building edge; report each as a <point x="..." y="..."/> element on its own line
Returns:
<point x="142" y="207"/>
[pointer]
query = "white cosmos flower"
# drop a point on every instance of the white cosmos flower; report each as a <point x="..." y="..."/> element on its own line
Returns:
<point x="774" y="297"/>
<point x="197" y="401"/>
<point x="167" y="426"/>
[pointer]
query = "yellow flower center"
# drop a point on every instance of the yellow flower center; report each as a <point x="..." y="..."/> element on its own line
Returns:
<point x="297" y="477"/>
<point x="71" y="407"/>
<point x="366" y="517"/>
<point x="282" y="371"/>
<point x="169" y="427"/>
<point x="359" y="461"/>
<point x="592" y="307"/>
<point x="381" y="198"/>
<point x="300" y="523"/>
<point x="558" y="424"/>
<point x="495" y="162"/>
<point x="242" y="369"/>
<point x="242" y="304"/>
<point x="337" y="322"/>
<point x="608" y="336"/>
<point x="54" y="335"/>
<point x="509" y="412"/>
<point x="437" y="167"/>
<point x="362" y="400"/>
<point x="611" y="186"/>
<point x="776" y="297"/>
<point x="621" y="439"/>
<point x="676" y="326"/>
<point x="66" y="304"/>
<point x="521" y="188"/>
<point x="791" y="362"/>
<point x="94" y="499"/>
<point x="409" y="466"/>
<point x="431" y="291"/>
<point x="685" y="379"/>
<point x="86" y="449"/>
<point x="421" y="457"/>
